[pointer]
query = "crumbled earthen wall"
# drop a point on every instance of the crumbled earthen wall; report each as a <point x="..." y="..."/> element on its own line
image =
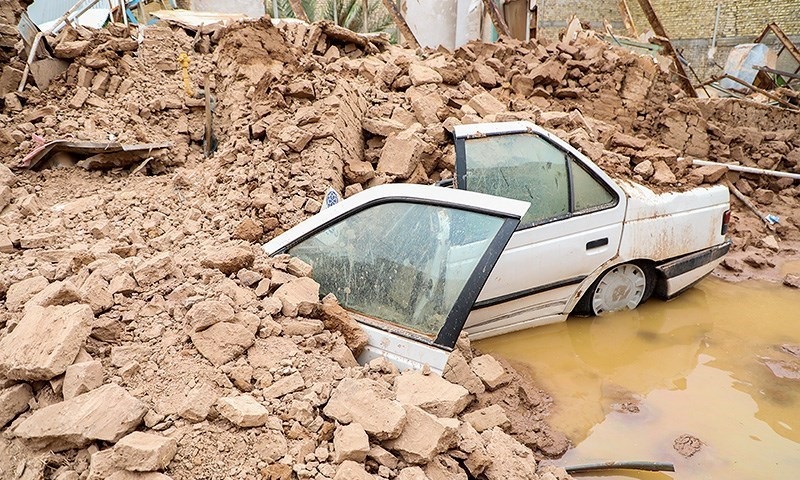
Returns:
<point x="154" y="293"/>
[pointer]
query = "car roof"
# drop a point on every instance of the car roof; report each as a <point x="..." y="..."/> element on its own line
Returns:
<point x="379" y="194"/>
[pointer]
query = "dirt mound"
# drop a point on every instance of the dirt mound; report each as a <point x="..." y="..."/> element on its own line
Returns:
<point x="183" y="312"/>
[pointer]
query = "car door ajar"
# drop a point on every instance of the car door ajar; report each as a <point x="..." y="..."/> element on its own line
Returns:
<point x="572" y="228"/>
<point x="407" y="261"/>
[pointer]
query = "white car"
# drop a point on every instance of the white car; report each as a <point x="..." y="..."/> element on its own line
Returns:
<point x="533" y="232"/>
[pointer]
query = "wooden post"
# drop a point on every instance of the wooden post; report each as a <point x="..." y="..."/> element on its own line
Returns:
<point x="627" y="19"/>
<point x="297" y="8"/>
<point x="497" y="19"/>
<point x="405" y="30"/>
<point x="365" y="15"/>
<point x="658" y="28"/>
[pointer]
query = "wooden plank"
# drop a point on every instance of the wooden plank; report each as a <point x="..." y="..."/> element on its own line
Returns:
<point x="791" y="47"/>
<point x="297" y="8"/>
<point x="401" y="23"/>
<point x="497" y="19"/>
<point x="627" y="19"/>
<point x="658" y="29"/>
<point x="365" y="15"/>
<point x="767" y="94"/>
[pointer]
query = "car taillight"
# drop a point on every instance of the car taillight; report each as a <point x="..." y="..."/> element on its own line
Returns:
<point x="726" y="219"/>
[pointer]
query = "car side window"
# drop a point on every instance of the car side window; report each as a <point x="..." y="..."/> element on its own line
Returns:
<point x="400" y="262"/>
<point x="589" y="194"/>
<point x="523" y="167"/>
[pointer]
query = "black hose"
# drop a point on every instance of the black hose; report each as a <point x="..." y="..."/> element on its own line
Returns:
<point x="647" y="466"/>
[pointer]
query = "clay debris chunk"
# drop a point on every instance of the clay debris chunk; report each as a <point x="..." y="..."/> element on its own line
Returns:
<point x="154" y="269"/>
<point x="510" y="459"/>
<point x="45" y="342"/>
<point x="423" y="437"/>
<point x="228" y="259"/>
<point x="298" y="296"/>
<point x="22" y="291"/>
<point x="223" y="342"/>
<point x="431" y="393"/>
<point x="208" y="312"/>
<point x="490" y="371"/>
<point x="350" y="442"/>
<point x="106" y="413"/>
<point x="350" y="470"/>
<point x="368" y="403"/>
<point x="13" y="401"/>
<point x="486" y="418"/>
<point x="144" y="452"/>
<point x="81" y="378"/>
<point x="243" y="411"/>
<point x="285" y="386"/>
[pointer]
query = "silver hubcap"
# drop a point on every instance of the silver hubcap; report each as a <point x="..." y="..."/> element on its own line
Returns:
<point x="620" y="288"/>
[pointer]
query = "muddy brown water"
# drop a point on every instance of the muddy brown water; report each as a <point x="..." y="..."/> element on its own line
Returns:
<point x="709" y="364"/>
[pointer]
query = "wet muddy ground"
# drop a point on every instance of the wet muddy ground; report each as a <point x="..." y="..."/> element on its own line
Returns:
<point x="709" y="381"/>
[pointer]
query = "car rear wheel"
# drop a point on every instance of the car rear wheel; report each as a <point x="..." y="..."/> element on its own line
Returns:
<point x="621" y="287"/>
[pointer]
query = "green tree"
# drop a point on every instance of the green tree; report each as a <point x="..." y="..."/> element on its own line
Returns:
<point x="347" y="13"/>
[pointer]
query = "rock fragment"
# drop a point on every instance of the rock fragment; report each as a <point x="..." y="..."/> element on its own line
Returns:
<point x="45" y="342"/>
<point x="423" y="437"/>
<point x="228" y="259"/>
<point x="106" y="414"/>
<point x="208" y="312"/>
<point x="81" y="378"/>
<point x="486" y="418"/>
<point x="490" y="371"/>
<point x="368" y="403"/>
<point x="350" y="470"/>
<point x="19" y="293"/>
<point x="431" y="393"/>
<point x="350" y="442"/>
<point x="486" y="104"/>
<point x="298" y="296"/>
<point x="223" y="342"/>
<point x="154" y="269"/>
<point x="420" y="74"/>
<point x="243" y="411"/>
<point x="144" y="452"/>
<point x="13" y="401"/>
<point x="510" y="459"/>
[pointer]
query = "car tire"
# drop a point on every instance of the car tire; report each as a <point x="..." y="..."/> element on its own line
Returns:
<point x="623" y="286"/>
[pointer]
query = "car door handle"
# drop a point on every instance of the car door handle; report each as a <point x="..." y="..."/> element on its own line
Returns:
<point x="600" y="242"/>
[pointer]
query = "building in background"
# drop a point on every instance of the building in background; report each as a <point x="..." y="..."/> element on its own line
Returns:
<point x="690" y="23"/>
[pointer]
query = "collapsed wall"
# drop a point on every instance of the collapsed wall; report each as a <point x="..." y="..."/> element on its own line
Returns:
<point x="170" y="317"/>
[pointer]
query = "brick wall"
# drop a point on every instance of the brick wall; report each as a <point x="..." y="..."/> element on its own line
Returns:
<point x="690" y="23"/>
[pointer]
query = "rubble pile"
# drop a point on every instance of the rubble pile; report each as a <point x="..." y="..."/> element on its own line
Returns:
<point x="141" y="326"/>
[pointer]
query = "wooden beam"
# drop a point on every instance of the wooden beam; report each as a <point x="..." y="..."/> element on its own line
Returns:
<point x="658" y="29"/>
<point x="365" y="15"/>
<point x="401" y="23"/>
<point x="497" y="18"/>
<point x="787" y="44"/>
<point x="767" y="94"/>
<point x="297" y="8"/>
<point x="627" y="19"/>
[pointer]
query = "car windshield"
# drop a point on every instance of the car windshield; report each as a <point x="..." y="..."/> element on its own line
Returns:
<point x="404" y="263"/>
<point x="523" y="167"/>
